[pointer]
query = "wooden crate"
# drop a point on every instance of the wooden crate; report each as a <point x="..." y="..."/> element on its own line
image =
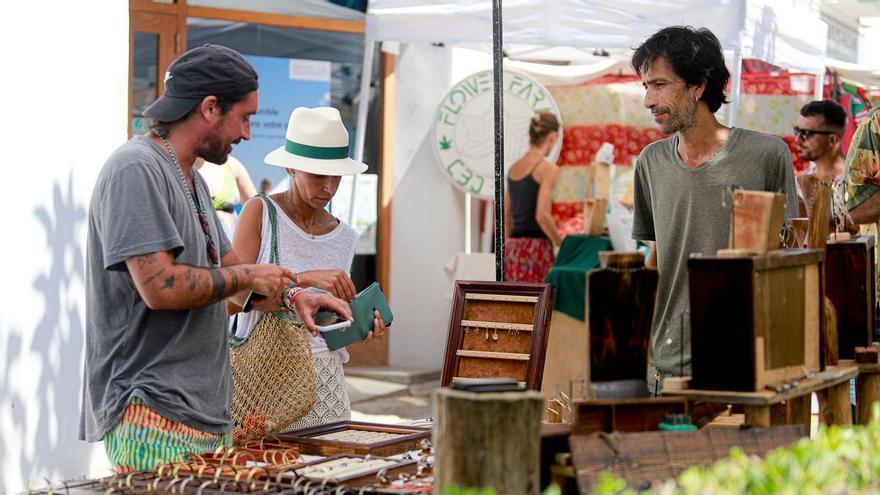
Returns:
<point x="646" y="459"/>
<point x="498" y="330"/>
<point x="318" y="441"/>
<point x="850" y="285"/>
<point x="755" y="320"/>
<point x="628" y="415"/>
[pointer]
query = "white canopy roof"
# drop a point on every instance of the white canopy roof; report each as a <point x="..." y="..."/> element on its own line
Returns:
<point x="788" y="33"/>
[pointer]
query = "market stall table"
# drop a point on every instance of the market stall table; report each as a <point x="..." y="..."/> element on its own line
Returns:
<point x="790" y="406"/>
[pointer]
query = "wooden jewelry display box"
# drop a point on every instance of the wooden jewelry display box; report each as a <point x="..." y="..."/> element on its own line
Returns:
<point x="497" y="330"/>
<point x="352" y="437"/>
<point x="755" y="320"/>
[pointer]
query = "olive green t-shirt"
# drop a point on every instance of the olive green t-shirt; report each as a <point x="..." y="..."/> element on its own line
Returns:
<point x="686" y="211"/>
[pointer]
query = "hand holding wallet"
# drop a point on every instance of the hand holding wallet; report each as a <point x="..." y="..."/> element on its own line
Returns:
<point x="362" y="308"/>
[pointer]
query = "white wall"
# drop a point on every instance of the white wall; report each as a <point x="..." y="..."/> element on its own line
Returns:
<point x="64" y="91"/>
<point x="869" y="40"/>
<point x="427" y="212"/>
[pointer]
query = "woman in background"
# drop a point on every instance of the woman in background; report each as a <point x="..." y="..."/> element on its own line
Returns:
<point x="530" y="231"/>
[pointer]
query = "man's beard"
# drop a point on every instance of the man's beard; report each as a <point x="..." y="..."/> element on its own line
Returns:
<point x="681" y="120"/>
<point x="214" y="151"/>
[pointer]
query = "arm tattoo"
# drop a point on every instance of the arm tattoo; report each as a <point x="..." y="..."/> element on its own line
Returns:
<point x="154" y="276"/>
<point x="145" y="260"/>
<point x="193" y="278"/>
<point x="233" y="278"/>
<point x="169" y="283"/>
<point x="218" y="285"/>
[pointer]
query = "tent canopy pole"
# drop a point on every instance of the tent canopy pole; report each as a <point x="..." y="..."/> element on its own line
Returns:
<point x="497" y="87"/>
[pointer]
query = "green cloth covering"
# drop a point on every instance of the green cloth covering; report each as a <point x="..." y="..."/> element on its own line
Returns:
<point x="578" y="254"/>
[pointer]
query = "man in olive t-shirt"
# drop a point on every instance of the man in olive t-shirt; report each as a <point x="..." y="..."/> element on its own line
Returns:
<point x="684" y="184"/>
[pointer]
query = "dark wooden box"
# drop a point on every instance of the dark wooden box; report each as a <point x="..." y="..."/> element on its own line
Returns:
<point x="755" y="320"/>
<point x="850" y="285"/>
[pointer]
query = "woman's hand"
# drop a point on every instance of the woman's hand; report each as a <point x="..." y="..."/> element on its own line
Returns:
<point x="336" y="281"/>
<point x="379" y="328"/>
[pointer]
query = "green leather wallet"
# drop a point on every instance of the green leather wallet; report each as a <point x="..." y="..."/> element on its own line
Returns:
<point x="362" y="307"/>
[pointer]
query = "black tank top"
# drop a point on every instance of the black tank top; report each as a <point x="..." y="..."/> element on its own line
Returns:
<point x="523" y="203"/>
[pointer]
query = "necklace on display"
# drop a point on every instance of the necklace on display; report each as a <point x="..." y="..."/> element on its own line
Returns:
<point x="294" y="215"/>
<point x="192" y="195"/>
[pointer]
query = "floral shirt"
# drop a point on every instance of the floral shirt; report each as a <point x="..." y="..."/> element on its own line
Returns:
<point x="863" y="172"/>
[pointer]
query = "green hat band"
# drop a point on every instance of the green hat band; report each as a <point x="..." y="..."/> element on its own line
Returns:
<point x="317" y="152"/>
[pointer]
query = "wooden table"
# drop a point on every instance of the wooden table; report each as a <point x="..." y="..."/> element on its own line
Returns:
<point x="791" y="406"/>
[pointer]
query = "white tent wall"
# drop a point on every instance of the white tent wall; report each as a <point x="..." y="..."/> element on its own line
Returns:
<point x="427" y="212"/>
<point x="65" y="102"/>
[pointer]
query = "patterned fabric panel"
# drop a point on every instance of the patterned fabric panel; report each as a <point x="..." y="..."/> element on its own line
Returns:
<point x="333" y="404"/>
<point x="144" y="440"/>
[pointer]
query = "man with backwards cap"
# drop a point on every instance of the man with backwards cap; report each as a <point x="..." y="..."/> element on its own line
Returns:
<point x="157" y="375"/>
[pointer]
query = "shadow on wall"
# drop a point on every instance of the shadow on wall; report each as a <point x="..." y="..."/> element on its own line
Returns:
<point x="45" y="420"/>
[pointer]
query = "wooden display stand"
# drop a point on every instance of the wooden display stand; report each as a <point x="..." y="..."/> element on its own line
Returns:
<point x="352" y="437"/>
<point x="850" y="285"/>
<point x="594" y="216"/>
<point x="790" y="406"/>
<point x="488" y="440"/>
<point x="621" y="306"/>
<point x="755" y="320"/>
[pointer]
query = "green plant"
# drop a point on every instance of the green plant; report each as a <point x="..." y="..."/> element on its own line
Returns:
<point x="840" y="460"/>
<point x="457" y="490"/>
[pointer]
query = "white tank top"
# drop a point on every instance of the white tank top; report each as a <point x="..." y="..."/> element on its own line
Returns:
<point x="299" y="252"/>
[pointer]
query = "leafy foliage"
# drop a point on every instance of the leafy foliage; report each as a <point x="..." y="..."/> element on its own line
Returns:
<point x="840" y="460"/>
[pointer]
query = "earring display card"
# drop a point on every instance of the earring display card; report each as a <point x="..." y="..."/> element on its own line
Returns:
<point x="498" y="330"/>
<point x="352" y="437"/>
<point x="351" y="468"/>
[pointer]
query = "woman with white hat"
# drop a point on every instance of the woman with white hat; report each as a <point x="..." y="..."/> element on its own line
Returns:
<point x="311" y="242"/>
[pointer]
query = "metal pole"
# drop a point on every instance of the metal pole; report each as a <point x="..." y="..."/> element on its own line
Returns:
<point x="497" y="86"/>
<point x="361" y="130"/>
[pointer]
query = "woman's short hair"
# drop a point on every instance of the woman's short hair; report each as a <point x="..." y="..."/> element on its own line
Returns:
<point x="542" y="124"/>
<point x="695" y="55"/>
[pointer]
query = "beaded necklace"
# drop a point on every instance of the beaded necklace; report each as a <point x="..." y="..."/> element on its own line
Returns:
<point x="192" y="195"/>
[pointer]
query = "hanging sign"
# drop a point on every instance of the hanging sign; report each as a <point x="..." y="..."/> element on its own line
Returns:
<point x="464" y="130"/>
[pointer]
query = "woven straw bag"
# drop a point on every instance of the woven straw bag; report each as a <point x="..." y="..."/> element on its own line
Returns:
<point x="274" y="382"/>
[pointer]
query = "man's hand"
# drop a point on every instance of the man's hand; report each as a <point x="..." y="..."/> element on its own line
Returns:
<point x="270" y="280"/>
<point x="337" y="282"/>
<point x="308" y="304"/>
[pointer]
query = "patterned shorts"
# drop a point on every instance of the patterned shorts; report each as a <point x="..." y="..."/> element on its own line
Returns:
<point x="144" y="440"/>
<point x="332" y="404"/>
<point x="528" y="259"/>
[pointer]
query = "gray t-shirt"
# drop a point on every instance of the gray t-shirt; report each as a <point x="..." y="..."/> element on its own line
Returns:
<point x="687" y="210"/>
<point x="175" y="361"/>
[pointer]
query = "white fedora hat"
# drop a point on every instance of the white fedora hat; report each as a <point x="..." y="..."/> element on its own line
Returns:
<point x="317" y="143"/>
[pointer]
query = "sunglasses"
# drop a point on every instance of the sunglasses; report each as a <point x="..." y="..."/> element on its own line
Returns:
<point x="808" y="133"/>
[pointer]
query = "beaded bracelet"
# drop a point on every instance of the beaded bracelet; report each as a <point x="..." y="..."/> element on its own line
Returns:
<point x="290" y="294"/>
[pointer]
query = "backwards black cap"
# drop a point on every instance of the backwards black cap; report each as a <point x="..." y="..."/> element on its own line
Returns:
<point x="200" y="72"/>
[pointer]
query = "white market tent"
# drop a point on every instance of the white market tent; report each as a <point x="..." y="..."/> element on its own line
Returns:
<point x="783" y="32"/>
<point x="787" y="33"/>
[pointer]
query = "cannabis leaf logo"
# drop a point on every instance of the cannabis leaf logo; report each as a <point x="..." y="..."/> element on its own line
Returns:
<point x="445" y="143"/>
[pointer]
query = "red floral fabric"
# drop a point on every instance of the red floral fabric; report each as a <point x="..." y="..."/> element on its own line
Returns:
<point x="528" y="259"/>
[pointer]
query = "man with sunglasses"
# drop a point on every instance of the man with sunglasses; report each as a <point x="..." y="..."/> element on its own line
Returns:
<point x="818" y="136"/>
<point x="157" y="376"/>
